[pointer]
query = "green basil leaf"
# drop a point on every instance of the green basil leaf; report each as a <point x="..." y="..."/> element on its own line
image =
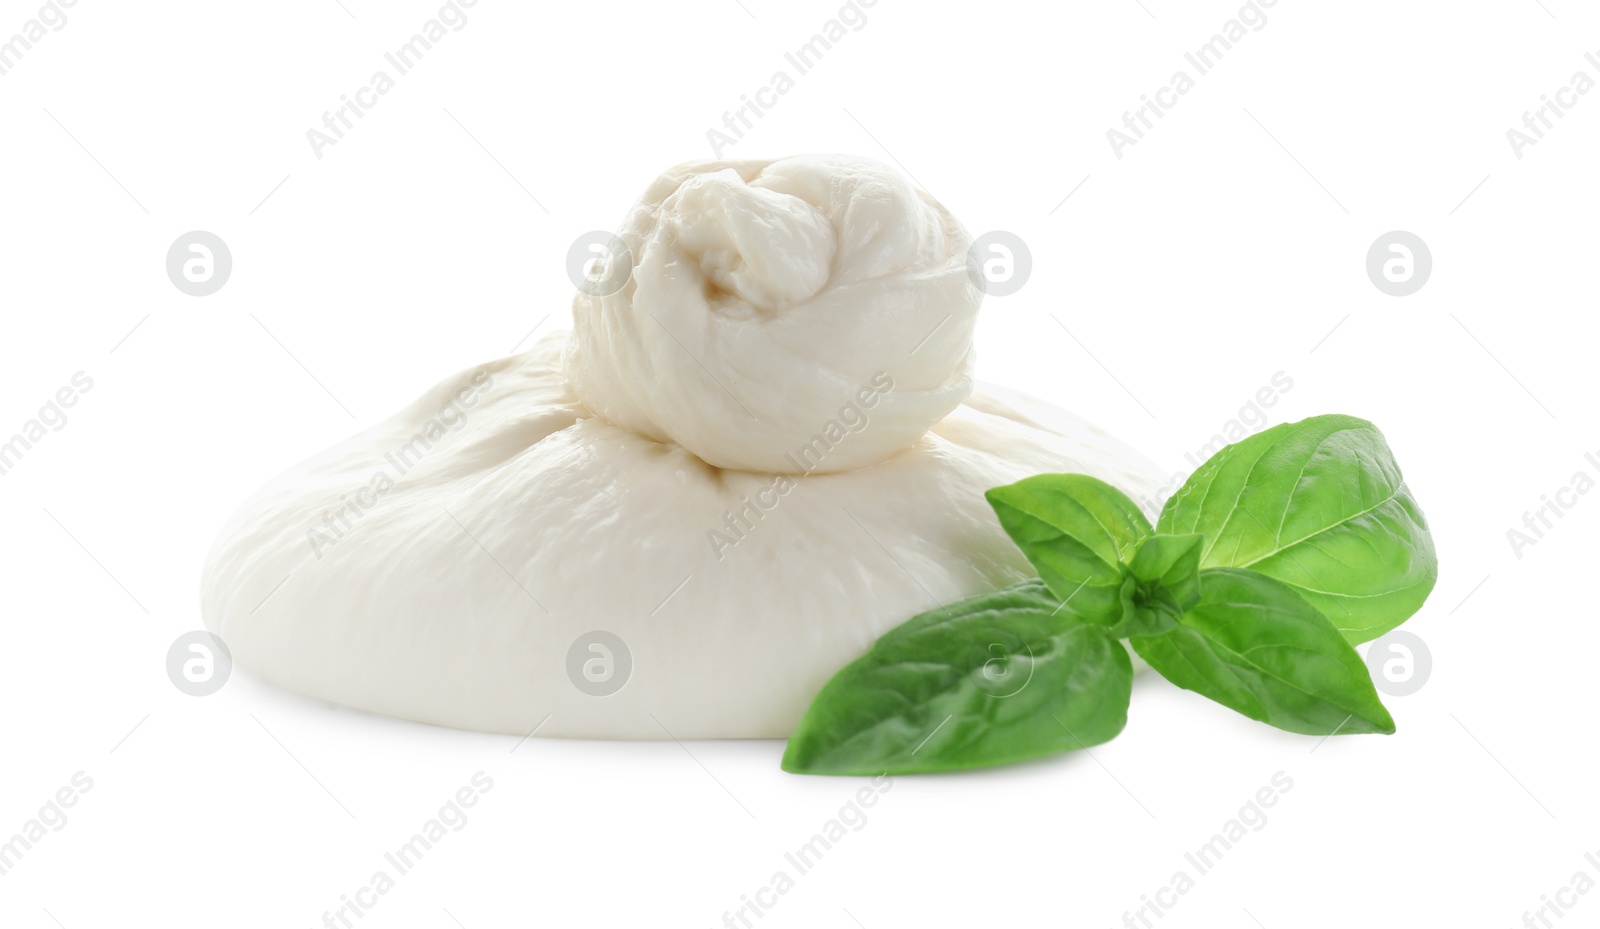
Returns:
<point x="1076" y="531"/>
<point x="1142" y="615"/>
<point x="1162" y="581"/>
<point x="1172" y="562"/>
<point x="1256" y="646"/>
<point x="997" y="678"/>
<point x="1320" y="505"/>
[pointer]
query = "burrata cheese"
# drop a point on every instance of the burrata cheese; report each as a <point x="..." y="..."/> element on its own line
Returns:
<point x="680" y="518"/>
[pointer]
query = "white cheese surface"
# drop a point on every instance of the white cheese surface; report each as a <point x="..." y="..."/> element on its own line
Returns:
<point x="763" y="295"/>
<point x="746" y="465"/>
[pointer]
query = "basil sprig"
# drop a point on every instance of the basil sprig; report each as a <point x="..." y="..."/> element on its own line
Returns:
<point x="1003" y="677"/>
<point x="1278" y="553"/>
<point x="1320" y="505"/>
<point x="1256" y="646"/>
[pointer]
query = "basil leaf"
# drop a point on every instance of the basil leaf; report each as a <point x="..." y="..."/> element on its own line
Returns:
<point x="1256" y="646"/>
<point x="1076" y="531"/>
<point x="1162" y="581"/>
<point x="997" y="678"/>
<point x="1172" y="562"/>
<point x="1320" y="505"/>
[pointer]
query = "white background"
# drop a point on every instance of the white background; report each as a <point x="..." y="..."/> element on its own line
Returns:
<point x="1226" y="246"/>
